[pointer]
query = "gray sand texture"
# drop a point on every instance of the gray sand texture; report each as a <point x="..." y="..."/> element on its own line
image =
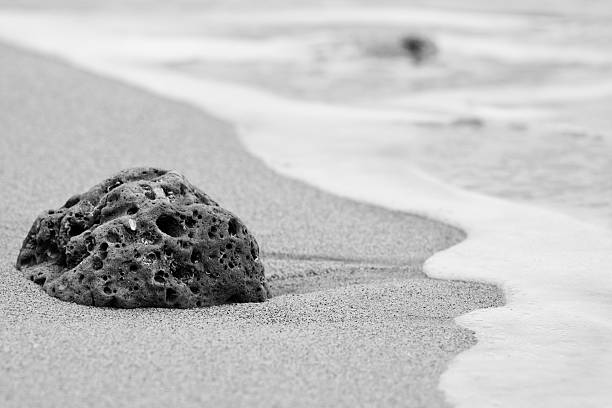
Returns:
<point x="353" y="321"/>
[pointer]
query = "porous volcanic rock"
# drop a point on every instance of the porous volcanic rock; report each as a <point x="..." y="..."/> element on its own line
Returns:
<point x="143" y="238"/>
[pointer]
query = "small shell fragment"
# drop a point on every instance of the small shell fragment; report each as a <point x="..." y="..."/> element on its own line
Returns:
<point x="132" y="224"/>
<point x="159" y="192"/>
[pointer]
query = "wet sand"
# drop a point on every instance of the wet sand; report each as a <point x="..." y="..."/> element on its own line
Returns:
<point x="354" y="321"/>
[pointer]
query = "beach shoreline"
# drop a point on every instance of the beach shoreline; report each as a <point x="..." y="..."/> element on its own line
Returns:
<point x="383" y="341"/>
<point x="553" y="268"/>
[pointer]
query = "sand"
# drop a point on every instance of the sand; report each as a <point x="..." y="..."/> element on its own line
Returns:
<point x="354" y="321"/>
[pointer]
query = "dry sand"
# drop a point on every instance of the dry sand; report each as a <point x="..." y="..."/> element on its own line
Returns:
<point x="355" y="321"/>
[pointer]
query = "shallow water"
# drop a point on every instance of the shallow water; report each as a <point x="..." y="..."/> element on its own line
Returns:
<point x="521" y="100"/>
<point x="513" y="105"/>
<point x="515" y="102"/>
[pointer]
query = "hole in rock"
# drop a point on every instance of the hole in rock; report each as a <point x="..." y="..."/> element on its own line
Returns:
<point x="169" y="225"/>
<point x="75" y="229"/>
<point x="159" y="277"/>
<point x="40" y="280"/>
<point x="132" y="210"/>
<point x="107" y="290"/>
<point x="212" y="231"/>
<point x="196" y="256"/>
<point x="171" y="295"/>
<point x="168" y="191"/>
<point x="90" y="246"/>
<point x="150" y="257"/>
<point x="232" y="226"/>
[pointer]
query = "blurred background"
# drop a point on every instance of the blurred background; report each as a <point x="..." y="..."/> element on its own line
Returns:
<point x="511" y="99"/>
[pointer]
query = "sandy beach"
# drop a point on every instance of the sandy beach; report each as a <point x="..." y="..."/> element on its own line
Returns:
<point x="354" y="321"/>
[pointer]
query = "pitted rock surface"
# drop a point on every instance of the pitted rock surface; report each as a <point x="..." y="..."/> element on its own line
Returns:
<point x="144" y="238"/>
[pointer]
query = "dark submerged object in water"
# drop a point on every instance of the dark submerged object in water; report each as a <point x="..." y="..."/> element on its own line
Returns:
<point x="419" y="48"/>
<point x="143" y="238"/>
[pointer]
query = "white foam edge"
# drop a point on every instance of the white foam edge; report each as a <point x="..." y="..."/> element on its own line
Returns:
<point x="551" y="345"/>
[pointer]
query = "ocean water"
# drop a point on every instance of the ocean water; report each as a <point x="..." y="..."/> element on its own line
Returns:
<point x="518" y="102"/>
<point x="514" y="103"/>
<point x="504" y="132"/>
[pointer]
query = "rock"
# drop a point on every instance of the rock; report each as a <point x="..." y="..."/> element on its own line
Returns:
<point x="419" y="48"/>
<point x="143" y="238"/>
